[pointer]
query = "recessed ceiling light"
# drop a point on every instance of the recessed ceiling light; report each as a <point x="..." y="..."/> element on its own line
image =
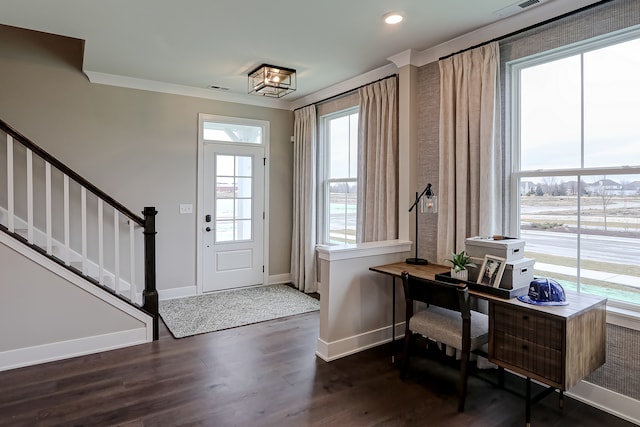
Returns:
<point x="393" y="18"/>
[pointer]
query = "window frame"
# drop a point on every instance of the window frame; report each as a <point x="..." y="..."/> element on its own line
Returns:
<point x="513" y="129"/>
<point x="323" y="173"/>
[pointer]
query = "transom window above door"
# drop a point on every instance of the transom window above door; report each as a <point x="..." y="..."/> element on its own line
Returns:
<point x="231" y="132"/>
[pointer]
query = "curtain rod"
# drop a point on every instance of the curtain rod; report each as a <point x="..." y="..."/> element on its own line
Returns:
<point x="346" y="92"/>
<point x="531" y="27"/>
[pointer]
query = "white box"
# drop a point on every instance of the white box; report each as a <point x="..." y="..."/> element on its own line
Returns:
<point x="517" y="273"/>
<point x="509" y="249"/>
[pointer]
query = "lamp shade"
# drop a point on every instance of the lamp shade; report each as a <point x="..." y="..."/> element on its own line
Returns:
<point x="271" y="80"/>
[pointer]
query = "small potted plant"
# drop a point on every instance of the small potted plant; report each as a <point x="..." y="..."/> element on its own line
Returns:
<point x="460" y="263"/>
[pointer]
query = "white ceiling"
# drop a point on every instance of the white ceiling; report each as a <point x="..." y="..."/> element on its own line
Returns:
<point x="185" y="46"/>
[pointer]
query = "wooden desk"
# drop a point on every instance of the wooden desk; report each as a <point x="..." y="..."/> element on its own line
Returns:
<point x="555" y="345"/>
<point x="427" y="271"/>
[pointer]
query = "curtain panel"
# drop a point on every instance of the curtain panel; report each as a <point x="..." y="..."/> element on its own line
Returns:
<point x="470" y="164"/>
<point x="303" y="240"/>
<point x="378" y="162"/>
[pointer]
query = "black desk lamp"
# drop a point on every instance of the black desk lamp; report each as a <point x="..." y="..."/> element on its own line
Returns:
<point x="427" y="192"/>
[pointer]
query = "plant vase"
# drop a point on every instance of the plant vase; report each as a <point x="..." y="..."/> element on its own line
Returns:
<point x="460" y="275"/>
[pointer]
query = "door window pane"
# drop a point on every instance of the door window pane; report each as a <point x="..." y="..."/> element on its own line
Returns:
<point x="243" y="187"/>
<point x="224" y="209"/>
<point x="243" y="229"/>
<point x="243" y="209"/>
<point x="224" y="231"/>
<point x="233" y="203"/>
<point x="224" y="165"/>
<point x="225" y="187"/>
<point x="243" y="165"/>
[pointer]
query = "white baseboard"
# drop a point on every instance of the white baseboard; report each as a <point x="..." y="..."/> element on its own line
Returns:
<point x="606" y="400"/>
<point x="329" y="351"/>
<point x="29" y="356"/>
<point x="277" y="279"/>
<point x="173" y="293"/>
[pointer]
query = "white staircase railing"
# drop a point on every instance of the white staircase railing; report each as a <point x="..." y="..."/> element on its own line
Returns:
<point x="46" y="205"/>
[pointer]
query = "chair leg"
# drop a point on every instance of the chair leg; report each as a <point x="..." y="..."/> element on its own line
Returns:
<point x="408" y="338"/>
<point x="464" y="375"/>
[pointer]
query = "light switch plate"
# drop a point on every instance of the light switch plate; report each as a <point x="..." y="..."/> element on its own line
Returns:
<point x="186" y="208"/>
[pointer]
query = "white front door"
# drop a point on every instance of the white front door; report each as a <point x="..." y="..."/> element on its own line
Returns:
<point x="233" y="223"/>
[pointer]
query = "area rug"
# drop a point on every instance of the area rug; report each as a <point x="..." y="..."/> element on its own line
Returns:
<point x="229" y="309"/>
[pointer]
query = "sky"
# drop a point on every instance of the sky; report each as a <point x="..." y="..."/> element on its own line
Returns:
<point x="551" y="118"/>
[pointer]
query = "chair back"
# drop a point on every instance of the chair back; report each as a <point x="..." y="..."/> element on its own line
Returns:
<point x="451" y="296"/>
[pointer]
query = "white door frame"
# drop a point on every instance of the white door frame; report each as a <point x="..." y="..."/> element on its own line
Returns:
<point x="200" y="223"/>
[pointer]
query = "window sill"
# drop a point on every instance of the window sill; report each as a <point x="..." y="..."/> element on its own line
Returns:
<point x="627" y="317"/>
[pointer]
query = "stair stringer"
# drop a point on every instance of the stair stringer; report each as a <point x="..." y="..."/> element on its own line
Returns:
<point x="49" y="351"/>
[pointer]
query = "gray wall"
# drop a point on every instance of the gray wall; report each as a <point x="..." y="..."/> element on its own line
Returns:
<point x="30" y="307"/>
<point x="428" y="154"/>
<point x="139" y="147"/>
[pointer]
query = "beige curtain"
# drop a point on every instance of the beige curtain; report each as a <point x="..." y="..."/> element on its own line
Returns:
<point x="303" y="241"/>
<point x="378" y="162"/>
<point x="470" y="171"/>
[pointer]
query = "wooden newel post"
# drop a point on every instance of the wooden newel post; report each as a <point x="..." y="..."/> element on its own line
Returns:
<point x="150" y="293"/>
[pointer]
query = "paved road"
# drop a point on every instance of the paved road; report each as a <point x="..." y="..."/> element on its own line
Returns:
<point x="596" y="248"/>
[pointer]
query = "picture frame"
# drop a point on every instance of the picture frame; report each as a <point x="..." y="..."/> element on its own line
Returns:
<point x="491" y="271"/>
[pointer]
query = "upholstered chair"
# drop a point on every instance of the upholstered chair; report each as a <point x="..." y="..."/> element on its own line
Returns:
<point x="446" y="319"/>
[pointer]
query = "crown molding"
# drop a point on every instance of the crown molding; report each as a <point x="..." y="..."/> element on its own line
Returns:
<point x="407" y="57"/>
<point x="499" y="29"/>
<point x="175" y="89"/>
<point x="345" y="86"/>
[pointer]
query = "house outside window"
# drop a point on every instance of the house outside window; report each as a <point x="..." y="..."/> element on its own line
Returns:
<point x="576" y="164"/>
<point x="338" y="161"/>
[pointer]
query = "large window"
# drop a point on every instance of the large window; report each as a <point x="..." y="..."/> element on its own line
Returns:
<point x="575" y="123"/>
<point x="338" y="177"/>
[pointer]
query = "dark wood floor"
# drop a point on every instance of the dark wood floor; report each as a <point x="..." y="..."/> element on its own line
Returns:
<point x="262" y="375"/>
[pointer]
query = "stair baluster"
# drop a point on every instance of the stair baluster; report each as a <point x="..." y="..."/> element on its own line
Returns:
<point x="32" y="180"/>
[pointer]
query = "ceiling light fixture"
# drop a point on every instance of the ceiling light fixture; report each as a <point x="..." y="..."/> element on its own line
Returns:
<point x="392" y="18"/>
<point x="273" y="81"/>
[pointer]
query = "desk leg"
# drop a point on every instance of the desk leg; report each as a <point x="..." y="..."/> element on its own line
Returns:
<point x="393" y="322"/>
<point x="527" y="415"/>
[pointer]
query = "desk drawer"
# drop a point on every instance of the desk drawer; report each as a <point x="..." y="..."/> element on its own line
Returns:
<point x="537" y="359"/>
<point x="528" y="326"/>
